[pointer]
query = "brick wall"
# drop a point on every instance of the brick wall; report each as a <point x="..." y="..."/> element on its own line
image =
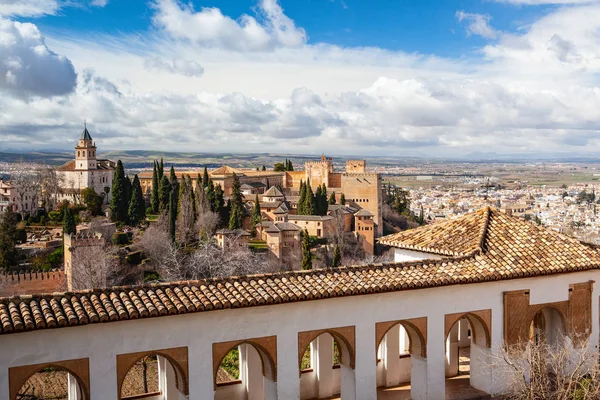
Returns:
<point x="29" y="282"/>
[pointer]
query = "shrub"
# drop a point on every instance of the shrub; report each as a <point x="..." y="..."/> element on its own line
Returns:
<point x="55" y="216"/>
<point x="134" y="258"/>
<point x="120" y="238"/>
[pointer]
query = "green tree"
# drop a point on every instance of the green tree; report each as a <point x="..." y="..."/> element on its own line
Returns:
<point x="161" y="170"/>
<point x="290" y="166"/>
<point x="256" y="213"/>
<point x="172" y="214"/>
<point x="309" y="201"/>
<point x="137" y="209"/>
<point x="236" y="217"/>
<point x="332" y="198"/>
<point x="8" y="238"/>
<point x="155" y="186"/>
<point x="92" y="201"/>
<point x="69" y="227"/>
<point x="343" y="199"/>
<point x="306" y="255"/>
<point x="174" y="188"/>
<point x="164" y="193"/>
<point x="199" y="181"/>
<point x="119" y="202"/>
<point x="318" y="199"/>
<point x="264" y="168"/>
<point x="210" y="194"/>
<point x="337" y="257"/>
<point x="205" y="179"/>
<point x="279" y="167"/>
<point x="302" y="199"/>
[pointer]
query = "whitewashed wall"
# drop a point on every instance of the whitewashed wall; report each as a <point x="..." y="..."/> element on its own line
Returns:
<point x="102" y="342"/>
<point x="402" y="255"/>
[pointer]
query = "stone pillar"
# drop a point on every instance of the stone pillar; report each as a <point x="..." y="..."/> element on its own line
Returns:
<point x="162" y="374"/>
<point x="348" y="391"/>
<point x="324" y="366"/>
<point x="463" y="334"/>
<point x="103" y="376"/>
<point x="288" y="370"/>
<point x="436" y="358"/>
<point x="391" y="356"/>
<point x="418" y="378"/>
<point x="251" y="372"/>
<point x="366" y="363"/>
<point x="73" y="388"/>
<point x="201" y="370"/>
<point x="452" y="352"/>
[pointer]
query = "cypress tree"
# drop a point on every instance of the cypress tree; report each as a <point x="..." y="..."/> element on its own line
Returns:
<point x="163" y="193"/>
<point x="256" y="213"/>
<point x="324" y="202"/>
<point x="69" y="226"/>
<point x="210" y="195"/>
<point x="205" y="179"/>
<point x="155" y="183"/>
<point x="291" y="166"/>
<point x="309" y="202"/>
<point x="332" y="198"/>
<point x="302" y="199"/>
<point x="318" y="197"/>
<point x="137" y="211"/>
<point x="219" y="199"/>
<point x="199" y="181"/>
<point x="128" y="190"/>
<point x="236" y="202"/>
<point x="337" y="257"/>
<point x="172" y="214"/>
<point x="119" y="202"/>
<point x="343" y="199"/>
<point x="8" y="238"/>
<point x="172" y="176"/>
<point x="306" y="255"/>
<point x="161" y="170"/>
<point x="264" y="168"/>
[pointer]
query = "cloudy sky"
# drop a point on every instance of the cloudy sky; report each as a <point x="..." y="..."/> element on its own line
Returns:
<point x="372" y="77"/>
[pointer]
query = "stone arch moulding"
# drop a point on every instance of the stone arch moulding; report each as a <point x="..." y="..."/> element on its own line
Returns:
<point x="79" y="368"/>
<point x="414" y="327"/>
<point x="576" y="313"/>
<point x="178" y="357"/>
<point x="265" y="346"/>
<point x="480" y="320"/>
<point x="345" y="336"/>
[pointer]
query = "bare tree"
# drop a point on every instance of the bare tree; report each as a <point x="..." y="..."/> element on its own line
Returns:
<point x="544" y="371"/>
<point x="27" y="184"/>
<point x="51" y="183"/>
<point x="206" y="220"/>
<point x="94" y="265"/>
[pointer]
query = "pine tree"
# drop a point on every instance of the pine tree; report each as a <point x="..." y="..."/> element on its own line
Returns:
<point x="302" y="199"/>
<point x="8" y="238"/>
<point x="137" y="209"/>
<point x="172" y="214"/>
<point x="332" y="198"/>
<point x="337" y="257"/>
<point x="119" y="202"/>
<point x="256" y="213"/>
<point x="306" y="255"/>
<point x="163" y="193"/>
<point x="155" y="183"/>
<point x="69" y="226"/>
<point x="205" y="179"/>
<point x="343" y="199"/>
<point x="236" y="217"/>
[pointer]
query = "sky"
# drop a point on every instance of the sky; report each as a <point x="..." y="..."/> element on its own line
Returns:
<point x="426" y="78"/>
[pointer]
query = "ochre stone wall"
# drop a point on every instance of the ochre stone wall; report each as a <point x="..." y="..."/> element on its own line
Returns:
<point x="576" y="314"/>
<point x="14" y="284"/>
<point x="365" y="191"/>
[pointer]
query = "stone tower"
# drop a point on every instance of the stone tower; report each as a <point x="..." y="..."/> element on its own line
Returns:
<point x="85" y="152"/>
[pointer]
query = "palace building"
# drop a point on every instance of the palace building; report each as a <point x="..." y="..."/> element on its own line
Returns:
<point x="461" y="289"/>
<point x="86" y="171"/>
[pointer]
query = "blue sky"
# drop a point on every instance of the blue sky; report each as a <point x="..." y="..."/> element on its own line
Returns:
<point x="403" y="77"/>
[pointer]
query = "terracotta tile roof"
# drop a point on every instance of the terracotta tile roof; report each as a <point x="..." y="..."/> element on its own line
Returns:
<point x="509" y="248"/>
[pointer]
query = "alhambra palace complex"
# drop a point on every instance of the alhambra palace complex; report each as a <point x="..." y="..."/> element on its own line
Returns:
<point x="471" y="285"/>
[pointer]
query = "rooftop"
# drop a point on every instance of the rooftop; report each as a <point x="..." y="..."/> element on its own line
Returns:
<point x="482" y="246"/>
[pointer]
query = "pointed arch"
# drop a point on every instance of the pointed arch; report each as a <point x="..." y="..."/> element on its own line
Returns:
<point x="345" y="336"/>
<point x="78" y="368"/>
<point x="481" y="325"/>
<point x="178" y="357"/>
<point x="416" y="329"/>
<point x="265" y="346"/>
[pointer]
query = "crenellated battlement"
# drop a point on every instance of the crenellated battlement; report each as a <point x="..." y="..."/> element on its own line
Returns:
<point x="356" y="166"/>
<point x="31" y="282"/>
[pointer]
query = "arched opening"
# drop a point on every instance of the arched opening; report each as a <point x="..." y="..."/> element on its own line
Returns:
<point x="547" y="327"/>
<point x="245" y="372"/>
<point x="326" y="368"/>
<point x="153" y="376"/>
<point x="468" y="358"/>
<point x="400" y="357"/>
<point x="52" y="382"/>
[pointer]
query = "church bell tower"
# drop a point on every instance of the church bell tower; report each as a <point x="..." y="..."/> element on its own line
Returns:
<point x="85" y="152"/>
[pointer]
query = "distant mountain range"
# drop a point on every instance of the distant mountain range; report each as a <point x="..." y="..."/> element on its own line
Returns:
<point x="144" y="158"/>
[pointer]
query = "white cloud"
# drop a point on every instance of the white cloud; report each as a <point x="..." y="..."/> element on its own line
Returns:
<point x="478" y="24"/>
<point x="27" y="66"/>
<point x="177" y="66"/>
<point x="211" y="28"/>
<point x="28" y="8"/>
<point x="99" y="3"/>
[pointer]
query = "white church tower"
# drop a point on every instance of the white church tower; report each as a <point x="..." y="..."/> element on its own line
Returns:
<point x="85" y="152"/>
